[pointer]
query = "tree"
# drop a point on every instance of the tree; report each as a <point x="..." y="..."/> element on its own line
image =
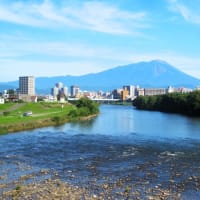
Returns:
<point x="188" y="104"/>
<point x="84" y="107"/>
<point x="11" y="92"/>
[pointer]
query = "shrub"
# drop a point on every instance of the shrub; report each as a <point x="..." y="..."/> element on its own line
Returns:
<point x="6" y="113"/>
<point x="84" y="107"/>
<point x="57" y="120"/>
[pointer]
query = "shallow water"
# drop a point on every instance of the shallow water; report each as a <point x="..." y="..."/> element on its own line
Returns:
<point x="121" y="147"/>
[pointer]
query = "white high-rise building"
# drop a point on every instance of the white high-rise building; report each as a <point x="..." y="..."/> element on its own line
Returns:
<point x="59" y="89"/>
<point x="59" y="85"/>
<point x="27" y="85"/>
<point x="65" y="91"/>
<point x="75" y="91"/>
<point x="55" y="91"/>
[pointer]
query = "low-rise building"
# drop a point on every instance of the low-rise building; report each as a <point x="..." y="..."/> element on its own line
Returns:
<point x="2" y="101"/>
<point x="28" y="98"/>
<point x="140" y="91"/>
<point x="154" y="91"/>
<point x="171" y="89"/>
<point x="117" y="93"/>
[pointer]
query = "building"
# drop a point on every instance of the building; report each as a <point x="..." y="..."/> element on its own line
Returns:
<point x="131" y="89"/>
<point x="75" y="90"/>
<point x="55" y="91"/>
<point x="5" y="94"/>
<point x="59" y="92"/>
<point x="170" y="89"/>
<point x="154" y="91"/>
<point x="26" y="88"/>
<point x="125" y="94"/>
<point x="65" y="91"/>
<point x="140" y="91"/>
<point x="117" y="93"/>
<point x="2" y="101"/>
<point x="59" y="85"/>
<point x="27" y="85"/>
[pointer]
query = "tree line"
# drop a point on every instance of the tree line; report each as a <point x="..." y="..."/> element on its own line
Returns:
<point x="183" y="103"/>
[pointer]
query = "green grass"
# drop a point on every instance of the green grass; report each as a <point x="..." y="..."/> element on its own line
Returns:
<point x="5" y="106"/>
<point x="43" y="114"/>
<point x="39" y="110"/>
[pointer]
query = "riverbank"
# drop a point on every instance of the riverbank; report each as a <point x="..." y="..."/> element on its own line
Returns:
<point x="114" y="156"/>
<point x="46" y="184"/>
<point x="39" y="123"/>
<point x="58" y="190"/>
<point x="181" y="103"/>
<point x="48" y="189"/>
<point x="13" y="119"/>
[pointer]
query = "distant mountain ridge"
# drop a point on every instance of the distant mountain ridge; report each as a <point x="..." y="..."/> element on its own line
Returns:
<point x="155" y="73"/>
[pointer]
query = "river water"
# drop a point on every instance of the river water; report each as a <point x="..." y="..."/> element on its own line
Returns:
<point x="121" y="149"/>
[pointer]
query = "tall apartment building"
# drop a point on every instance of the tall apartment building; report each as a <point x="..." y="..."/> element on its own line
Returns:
<point x="125" y="94"/>
<point x="75" y="90"/>
<point x="59" y="89"/>
<point x="131" y="89"/>
<point x="27" y="85"/>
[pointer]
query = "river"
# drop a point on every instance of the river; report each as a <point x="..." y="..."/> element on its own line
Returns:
<point x="121" y="149"/>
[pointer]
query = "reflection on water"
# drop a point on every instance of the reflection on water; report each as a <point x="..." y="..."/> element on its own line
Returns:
<point x="124" y="120"/>
<point x="120" y="147"/>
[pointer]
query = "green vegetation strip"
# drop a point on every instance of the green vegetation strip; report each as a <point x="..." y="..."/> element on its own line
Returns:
<point x="12" y="117"/>
<point x="187" y="103"/>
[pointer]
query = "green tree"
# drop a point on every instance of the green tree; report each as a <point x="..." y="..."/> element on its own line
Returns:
<point x="188" y="104"/>
<point x="11" y="92"/>
<point x="84" y="107"/>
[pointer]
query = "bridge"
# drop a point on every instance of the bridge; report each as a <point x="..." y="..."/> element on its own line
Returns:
<point x="98" y="100"/>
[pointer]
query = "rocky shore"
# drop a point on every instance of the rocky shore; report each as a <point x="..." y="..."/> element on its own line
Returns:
<point x="58" y="190"/>
<point x="19" y="181"/>
<point x="48" y="189"/>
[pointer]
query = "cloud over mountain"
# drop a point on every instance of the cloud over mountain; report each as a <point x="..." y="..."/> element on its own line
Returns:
<point x="155" y="73"/>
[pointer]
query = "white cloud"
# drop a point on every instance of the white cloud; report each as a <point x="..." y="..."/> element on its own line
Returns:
<point x="12" y="69"/>
<point x="14" y="14"/>
<point x="82" y="59"/>
<point x="90" y="15"/>
<point x="189" y="12"/>
<point x="189" y="65"/>
<point x="106" y="18"/>
<point x="17" y="47"/>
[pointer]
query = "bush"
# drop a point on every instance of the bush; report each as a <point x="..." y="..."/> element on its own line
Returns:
<point x="57" y="119"/>
<point x="6" y="113"/>
<point x="73" y="113"/>
<point x="84" y="107"/>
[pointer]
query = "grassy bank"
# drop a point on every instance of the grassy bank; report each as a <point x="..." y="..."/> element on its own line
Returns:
<point x="43" y="114"/>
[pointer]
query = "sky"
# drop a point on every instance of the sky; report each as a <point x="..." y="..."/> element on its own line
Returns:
<point x="76" y="37"/>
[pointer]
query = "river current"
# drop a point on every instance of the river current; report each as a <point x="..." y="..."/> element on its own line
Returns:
<point x="122" y="147"/>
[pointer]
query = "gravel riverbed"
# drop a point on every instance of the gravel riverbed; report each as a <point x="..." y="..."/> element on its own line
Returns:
<point x="47" y="184"/>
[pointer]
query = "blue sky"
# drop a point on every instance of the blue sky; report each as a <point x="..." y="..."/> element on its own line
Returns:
<point x="75" y="37"/>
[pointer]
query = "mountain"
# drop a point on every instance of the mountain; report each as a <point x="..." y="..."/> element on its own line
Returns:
<point x="155" y="73"/>
<point x="9" y="85"/>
